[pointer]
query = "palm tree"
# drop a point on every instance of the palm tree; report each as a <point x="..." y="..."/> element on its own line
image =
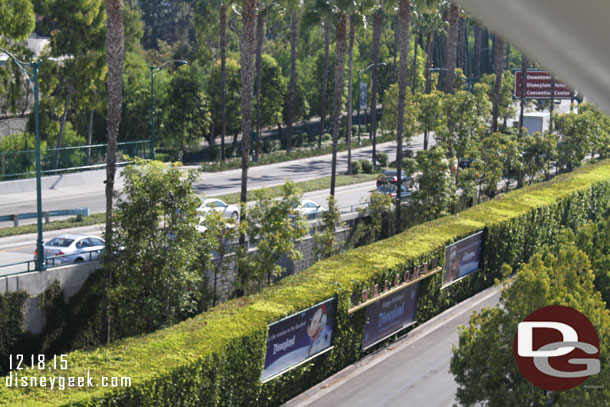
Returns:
<point x="429" y="21"/>
<point x="293" y="8"/>
<point x="524" y="64"/>
<point x="340" y="51"/>
<point x="404" y="12"/>
<point x="247" y="50"/>
<point x="478" y="33"/>
<point x="324" y="82"/>
<point x="260" y="39"/>
<point x="115" y="54"/>
<point x="348" y="130"/>
<point x="223" y="76"/>
<point x="454" y="13"/>
<point x="498" y="62"/>
<point x="377" y="26"/>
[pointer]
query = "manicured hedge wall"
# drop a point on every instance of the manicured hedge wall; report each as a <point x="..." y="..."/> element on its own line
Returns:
<point x="216" y="358"/>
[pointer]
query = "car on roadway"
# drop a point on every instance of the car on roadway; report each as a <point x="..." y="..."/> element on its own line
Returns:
<point x="390" y="177"/>
<point x="390" y="189"/>
<point x="67" y="249"/>
<point x="217" y="205"/>
<point x="308" y="208"/>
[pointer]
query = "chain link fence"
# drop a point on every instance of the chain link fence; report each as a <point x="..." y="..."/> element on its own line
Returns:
<point x="22" y="164"/>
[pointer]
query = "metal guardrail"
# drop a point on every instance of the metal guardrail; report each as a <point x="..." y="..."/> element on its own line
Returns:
<point x="21" y="164"/>
<point x="79" y="213"/>
<point x="52" y="262"/>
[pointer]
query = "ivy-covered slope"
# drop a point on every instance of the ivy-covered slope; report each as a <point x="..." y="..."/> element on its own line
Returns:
<point x="216" y="358"/>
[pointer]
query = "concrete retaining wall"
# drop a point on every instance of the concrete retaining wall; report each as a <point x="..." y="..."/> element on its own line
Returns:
<point x="71" y="278"/>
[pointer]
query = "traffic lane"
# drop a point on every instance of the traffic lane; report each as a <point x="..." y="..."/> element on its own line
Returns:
<point x="211" y="184"/>
<point x="21" y="251"/>
<point x="275" y="174"/>
<point x="409" y="373"/>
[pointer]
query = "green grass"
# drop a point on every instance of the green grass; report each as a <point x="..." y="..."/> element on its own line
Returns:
<point x="317" y="184"/>
<point x="93" y="219"/>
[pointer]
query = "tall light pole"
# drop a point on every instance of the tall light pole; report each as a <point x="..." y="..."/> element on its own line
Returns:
<point x="360" y="96"/>
<point x="153" y="72"/>
<point x="33" y="80"/>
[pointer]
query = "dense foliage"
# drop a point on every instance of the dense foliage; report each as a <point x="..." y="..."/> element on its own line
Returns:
<point x="217" y="356"/>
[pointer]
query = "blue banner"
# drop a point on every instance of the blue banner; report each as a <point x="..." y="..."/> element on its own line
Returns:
<point x="390" y="315"/>
<point x="299" y="337"/>
<point x="462" y="258"/>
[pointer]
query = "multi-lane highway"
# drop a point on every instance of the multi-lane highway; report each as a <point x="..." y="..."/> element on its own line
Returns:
<point x="91" y="195"/>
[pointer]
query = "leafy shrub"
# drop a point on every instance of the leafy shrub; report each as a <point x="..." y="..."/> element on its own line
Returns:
<point x="326" y="137"/>
<point x="367" y="166"/>
<point x="382" y="158"/>
<point x="269" y="146"/>
<point x="356" y="167"/>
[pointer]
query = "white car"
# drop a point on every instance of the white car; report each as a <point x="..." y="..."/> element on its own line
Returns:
<point x="72" y="249"/>
<point x="213" y="204"/>
<point x="310" y="209"/>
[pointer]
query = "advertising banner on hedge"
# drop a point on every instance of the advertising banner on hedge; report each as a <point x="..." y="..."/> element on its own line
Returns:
<point x="389" y="315"/>
<point x="462" y="258"/>
<point x="299" y="337"/>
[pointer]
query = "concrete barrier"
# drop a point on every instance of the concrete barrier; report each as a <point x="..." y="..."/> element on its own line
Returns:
<point x="53" y="181"/>
<point x="71" y="278"/>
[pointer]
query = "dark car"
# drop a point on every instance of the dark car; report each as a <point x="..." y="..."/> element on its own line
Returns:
<point x="389" y="177"/>
<point x="390" y="189"/>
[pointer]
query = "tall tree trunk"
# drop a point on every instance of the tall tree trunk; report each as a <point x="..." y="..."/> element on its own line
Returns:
<point x="223" y="78"/>
<point x="348" y="130"/>
<point x="498" y="62"/>
<point x="294" y="32"/>
<point x="377" y="25"/>
<point x="115" y="54"/>
<point x="396" y="39"/>
<point x="324" y="83"/>
<point x="441" y="51"/>
<point x="522" y="98"/>
<point x="485" y="52"/>
<point x="478" y="33"/>
<point x="62" y="124"/>
<point x="404" y="13"/>
<point x="461" y="40"/>
<point x="260" y="38"/>
<point x="429" y="55"/>
<point x="451" y="47"/>
<point x="247" y="50"/>
<point x="414" y="66"/>
<point x="552" y="104"/>
<point x="340" y="50"/>
<point x="89" y="135"/>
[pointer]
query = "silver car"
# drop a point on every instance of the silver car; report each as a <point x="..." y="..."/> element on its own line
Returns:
<point x="213" y="204"/>
<point x="72" y="249"/>
<point x="309" y="209"/>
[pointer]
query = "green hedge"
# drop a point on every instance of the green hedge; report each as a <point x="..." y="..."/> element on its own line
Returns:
<point x="216" y="358"/>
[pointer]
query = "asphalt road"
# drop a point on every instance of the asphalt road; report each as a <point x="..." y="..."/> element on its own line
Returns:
<point x="412" y="372"/>
<point x="19" y="249"/>
<point x="209" y="184"/>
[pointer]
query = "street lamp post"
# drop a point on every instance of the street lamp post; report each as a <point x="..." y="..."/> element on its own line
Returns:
<point x="153" y="72"/>
<point x="33" y="80"/>
<point x="360" y="96"/>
